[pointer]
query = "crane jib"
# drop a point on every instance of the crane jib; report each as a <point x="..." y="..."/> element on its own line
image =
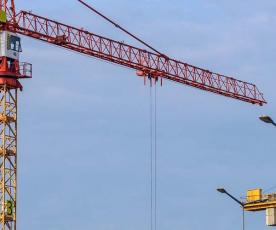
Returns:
<point x="85" y="42"/>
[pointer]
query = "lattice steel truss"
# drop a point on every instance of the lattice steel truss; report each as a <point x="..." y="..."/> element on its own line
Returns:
<point x="8" y="156"/>
<point x="145" y="62"/>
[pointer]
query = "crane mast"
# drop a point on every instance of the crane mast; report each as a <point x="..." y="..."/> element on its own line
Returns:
<point x="147" y="64"/>
<point x="11" y="70"/>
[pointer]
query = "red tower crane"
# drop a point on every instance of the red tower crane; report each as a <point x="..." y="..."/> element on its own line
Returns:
<point x="147" y="64"/>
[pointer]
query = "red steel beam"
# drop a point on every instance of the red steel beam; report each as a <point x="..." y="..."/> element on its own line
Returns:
<point x="9" y="8"/>
<point x="85" y="42"/>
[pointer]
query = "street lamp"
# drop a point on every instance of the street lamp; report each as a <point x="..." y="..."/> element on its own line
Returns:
<point x="223" y="191"/>
<point x="267" y="119"/>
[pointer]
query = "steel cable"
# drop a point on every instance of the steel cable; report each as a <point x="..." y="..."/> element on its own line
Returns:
<point x="153" y="156"/>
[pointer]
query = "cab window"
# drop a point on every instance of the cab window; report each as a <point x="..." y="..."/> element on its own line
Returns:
<point x="14" y="43"/>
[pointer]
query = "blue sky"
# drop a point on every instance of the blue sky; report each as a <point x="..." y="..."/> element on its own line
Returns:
<point x="84" y="123"/>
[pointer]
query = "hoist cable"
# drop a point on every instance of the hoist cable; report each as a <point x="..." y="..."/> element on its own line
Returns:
<point x="155" y="156"/>
<point x="151" y="161"/>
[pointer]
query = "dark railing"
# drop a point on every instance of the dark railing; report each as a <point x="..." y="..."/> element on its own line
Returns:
<point x="26" y="70"/>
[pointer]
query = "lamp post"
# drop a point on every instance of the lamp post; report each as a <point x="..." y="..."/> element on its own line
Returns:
<point x="223" y="191"/>
<point x="267" y="119"/>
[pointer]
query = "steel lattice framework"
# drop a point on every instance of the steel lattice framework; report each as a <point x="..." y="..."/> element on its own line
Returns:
<point x="144" y="61"/>
<point x="8" y="155"/>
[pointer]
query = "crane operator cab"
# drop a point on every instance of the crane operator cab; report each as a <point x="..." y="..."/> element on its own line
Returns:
<point x="10" y="48"/>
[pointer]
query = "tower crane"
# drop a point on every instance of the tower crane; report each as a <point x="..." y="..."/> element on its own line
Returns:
<point x="257" y="201"/>
<point x="147" y="64"/>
